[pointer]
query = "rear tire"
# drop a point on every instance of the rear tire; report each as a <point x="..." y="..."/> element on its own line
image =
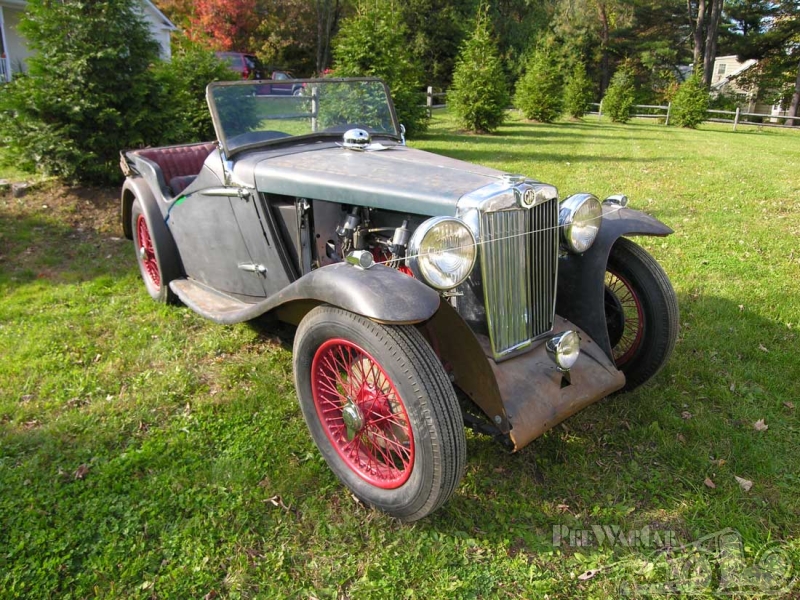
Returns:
<point x="381" y="410"/>
<point x="157" y="269"/>
<point x="641" y="313"/>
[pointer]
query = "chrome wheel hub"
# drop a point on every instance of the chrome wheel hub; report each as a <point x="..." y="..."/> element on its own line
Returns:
<point x="353" y="419"/>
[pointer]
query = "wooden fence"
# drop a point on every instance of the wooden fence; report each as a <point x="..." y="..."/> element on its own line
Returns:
<point x="738" y="117"/>
<point x="653" y="111"/>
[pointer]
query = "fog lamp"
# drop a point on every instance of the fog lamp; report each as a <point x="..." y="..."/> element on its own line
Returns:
<point x="564" y="349"/>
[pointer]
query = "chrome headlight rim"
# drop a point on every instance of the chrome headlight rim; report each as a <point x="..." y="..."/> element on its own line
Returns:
<point x="567" y="212"/>
<point x="415" y="247"/>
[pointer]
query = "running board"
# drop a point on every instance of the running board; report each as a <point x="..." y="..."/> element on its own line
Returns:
<point x="210" y="303"/>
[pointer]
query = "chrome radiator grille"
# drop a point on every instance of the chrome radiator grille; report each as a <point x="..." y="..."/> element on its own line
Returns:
<point x="519" y="257"/>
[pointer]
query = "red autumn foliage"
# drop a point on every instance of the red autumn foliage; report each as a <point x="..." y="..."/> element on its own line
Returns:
<point x="226" y="24"/>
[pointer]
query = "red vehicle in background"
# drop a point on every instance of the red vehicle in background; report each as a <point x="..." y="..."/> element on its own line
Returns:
<point x="246" y="64"/>
<point x="281" y="82"/>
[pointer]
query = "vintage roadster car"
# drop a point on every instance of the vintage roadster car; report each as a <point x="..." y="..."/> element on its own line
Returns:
<point x="421" y="285"/>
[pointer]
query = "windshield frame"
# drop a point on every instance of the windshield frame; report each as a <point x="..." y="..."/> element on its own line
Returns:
<point x="296" y="138"/>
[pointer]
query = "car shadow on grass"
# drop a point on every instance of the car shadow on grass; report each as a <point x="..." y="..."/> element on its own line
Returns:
<point x="641" y="458"/>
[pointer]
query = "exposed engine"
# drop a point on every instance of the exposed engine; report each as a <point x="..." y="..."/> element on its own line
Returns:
<point x="388" y="245"/>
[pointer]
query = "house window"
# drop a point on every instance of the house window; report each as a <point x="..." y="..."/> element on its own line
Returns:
<point x="721" y="69"/>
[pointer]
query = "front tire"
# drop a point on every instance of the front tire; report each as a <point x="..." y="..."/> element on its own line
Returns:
<point x="381" y="410"/>
<point x="641" y="313"/>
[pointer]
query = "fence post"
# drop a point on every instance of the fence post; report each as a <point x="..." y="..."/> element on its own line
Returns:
<point x="429" y="101"/>
<point x="736" y="119"/>
<point x="669" y="110"/>
<point x="600" y="111"/>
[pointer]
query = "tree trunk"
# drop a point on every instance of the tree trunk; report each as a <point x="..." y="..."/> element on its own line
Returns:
<point x="712" y="35"/>
<point x="605" y="62"/>
<point x="698" y="29"/>
<point x="328" y="13"/>
<point x="795" y="105"/>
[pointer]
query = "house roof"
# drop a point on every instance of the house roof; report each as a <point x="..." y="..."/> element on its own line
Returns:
<point x="728" y="76"/>
<point x="161" y="16"/>
<point x="148" y="5"/>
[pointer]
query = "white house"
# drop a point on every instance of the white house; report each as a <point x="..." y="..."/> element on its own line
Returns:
<point x="14" y="50"/>
<point x="723" y="81"/>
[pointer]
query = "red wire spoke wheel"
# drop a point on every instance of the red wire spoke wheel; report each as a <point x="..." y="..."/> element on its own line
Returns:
<point x="629" y="314"/>
<point x="641" y="312"/>
<point x="362" y="413"/>
<point x="381" y="410"/>
<point x="155" y="254"/>
<point x="146" y="252"/>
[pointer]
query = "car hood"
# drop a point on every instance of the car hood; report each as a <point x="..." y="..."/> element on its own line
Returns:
<point x="398" y="178"/>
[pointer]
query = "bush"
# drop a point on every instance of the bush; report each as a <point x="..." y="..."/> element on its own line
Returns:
<point x="540" y="91"/>
<point x="577" y="92"/>
<point x="690" y="103"/>
<point x="184" y="80"/>
<point x="620" y="96"/>
<point x="372" y="43"/>
<point x="88" y="94"/>
<point x="479" y="95"/>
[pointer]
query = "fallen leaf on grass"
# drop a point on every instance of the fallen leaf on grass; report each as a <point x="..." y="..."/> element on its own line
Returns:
<point x="760" y="425"/>
<point x="277" y="501"/>
<point x="562" y="508"/>
<point x="719" y="462"/>
<point x="762" y="348"/>
<point x="686" y="415"/>
<point x="588" y="574"/>
<point x="81" y="472"/>
<point x="745" y="484"/>
<point x="710" y="484"/>
<point x="789" y="405"/>
<point x="681" y="439"/>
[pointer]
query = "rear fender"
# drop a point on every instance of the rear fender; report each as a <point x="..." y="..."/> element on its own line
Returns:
<point x="165" y="248"/>
<point x="581" y="277"/>
<point x="138" y="187"/>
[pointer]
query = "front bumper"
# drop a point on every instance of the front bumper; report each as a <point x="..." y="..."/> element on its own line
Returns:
<point x="525" y="395"/>
<point x="535" y="394"/>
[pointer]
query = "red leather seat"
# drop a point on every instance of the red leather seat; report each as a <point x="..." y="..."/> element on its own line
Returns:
<point x="179" y="164"/>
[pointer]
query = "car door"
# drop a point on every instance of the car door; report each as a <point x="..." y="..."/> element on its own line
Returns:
<point x="212" y="248"/>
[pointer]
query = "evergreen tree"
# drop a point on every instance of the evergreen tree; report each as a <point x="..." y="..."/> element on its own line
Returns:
<point x="89" y="92"/>
<point x="479" y="95"/>
<point x="185" y="78"/>
<point x="540" y="92"/>
<point x="621" y="95"/>
<point x="577" y="92"/>
<point x="372" y="43"/>
<point x="690" y="103"/>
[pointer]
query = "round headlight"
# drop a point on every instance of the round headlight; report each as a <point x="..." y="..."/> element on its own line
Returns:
<point x="580" y="217"/>
<point x="564" y="348"/>
<point x="442" y="252"/>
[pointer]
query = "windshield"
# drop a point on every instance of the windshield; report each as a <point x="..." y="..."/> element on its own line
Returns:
<point x="249" y="114"/>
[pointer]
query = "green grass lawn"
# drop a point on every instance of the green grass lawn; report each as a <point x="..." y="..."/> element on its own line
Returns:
<point x="145" y="452"/>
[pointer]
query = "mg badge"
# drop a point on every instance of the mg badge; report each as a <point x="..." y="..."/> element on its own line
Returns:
<point x="528" y="198"/>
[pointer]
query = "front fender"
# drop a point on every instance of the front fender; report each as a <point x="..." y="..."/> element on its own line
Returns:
<point x="581" y="277"/>
<point x="378" y="293"/>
